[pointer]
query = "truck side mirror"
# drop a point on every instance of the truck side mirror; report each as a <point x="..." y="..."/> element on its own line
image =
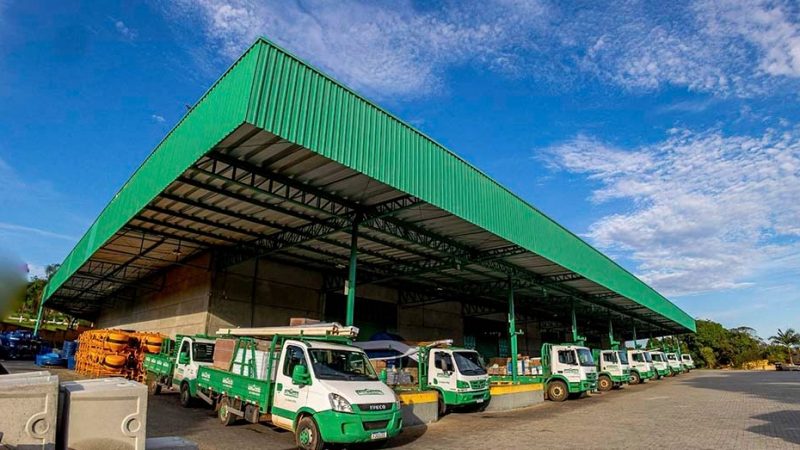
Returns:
<point x="300" y="375"/>
<point x="183" y="358"/>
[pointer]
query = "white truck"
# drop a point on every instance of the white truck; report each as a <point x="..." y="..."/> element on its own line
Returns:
<point x="456" y="373"/>
<point x="660" y="364"/>
<point x="177" y="364"/>
<point x="311" y="382"/>
<point x="613" y="369"/>
<point x="675" y="366"/>
<point x="641" y="368"/>
<point x="687" y="361"/>
<point x="567" y="371"/>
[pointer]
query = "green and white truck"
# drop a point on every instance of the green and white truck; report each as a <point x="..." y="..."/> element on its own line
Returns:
<point x="612" y="369"/>
<point x="456" y="373"/>
<point x="675" y="366"/>
<point x="568" y="370"/>
<point x="177" y="365"/>
<point x="641" y="368"/>
<point x="311" y="381"/>
<point x="660" y="364"/>
<point x="687" y="361"/>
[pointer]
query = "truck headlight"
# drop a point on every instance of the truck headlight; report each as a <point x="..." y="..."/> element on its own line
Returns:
<point x="339" y="403"/>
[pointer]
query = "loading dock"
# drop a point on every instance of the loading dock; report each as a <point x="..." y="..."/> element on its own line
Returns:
<point x="282" y="193"/>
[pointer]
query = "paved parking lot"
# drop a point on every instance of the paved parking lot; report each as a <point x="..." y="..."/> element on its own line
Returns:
<point x="704" y="409"/>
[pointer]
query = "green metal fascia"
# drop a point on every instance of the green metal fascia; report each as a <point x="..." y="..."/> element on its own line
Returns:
<point x="218" y="112"/>
<point x="293" y="100"/>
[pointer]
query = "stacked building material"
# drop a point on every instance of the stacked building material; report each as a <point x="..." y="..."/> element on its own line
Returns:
<point x="109" y="353"/>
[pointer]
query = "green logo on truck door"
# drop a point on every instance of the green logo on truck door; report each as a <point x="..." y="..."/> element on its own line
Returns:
<point x="291" y="393"/>
<point x="369" y="392"/>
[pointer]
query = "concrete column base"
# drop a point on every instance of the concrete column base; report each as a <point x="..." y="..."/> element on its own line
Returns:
<point x="515" y="396"/>
<point x="419" y="408"/>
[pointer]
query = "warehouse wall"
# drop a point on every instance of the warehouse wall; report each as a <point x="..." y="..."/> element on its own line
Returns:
<point x="180" y="308"/>
<point x="282" y="291"/>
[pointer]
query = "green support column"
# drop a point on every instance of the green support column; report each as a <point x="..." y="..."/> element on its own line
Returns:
<point x="39" y="315"/>
<point x="635" y="341"/>
<point x="614" y="344"/>
<point x="576" y="338"/>
<point x="512" y="332"/>
<point x="351" y="278"/>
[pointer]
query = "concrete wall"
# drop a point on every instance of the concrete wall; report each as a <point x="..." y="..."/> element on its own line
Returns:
<point x="181" y="307"/>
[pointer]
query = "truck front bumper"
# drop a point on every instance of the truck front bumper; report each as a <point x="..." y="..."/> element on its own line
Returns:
<point x="663" y="372"/>
<point x="346" y="428"/>
<point x="469" y="398"/>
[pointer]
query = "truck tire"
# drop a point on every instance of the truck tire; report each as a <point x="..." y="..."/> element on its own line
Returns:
<point x="557" y="391"/>
<point x="185" y="395"/>
<point x="153" y="386"/>
<point x="226" y="417"/>
<point x="442" y="405"/>
<point x="307" y="435"/>
<point x="604" y="383"/>
<point x="635" y="378"/>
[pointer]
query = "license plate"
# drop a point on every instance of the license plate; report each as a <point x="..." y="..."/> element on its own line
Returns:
<point x="378" y="435"/>
<point x="480" y="400"/>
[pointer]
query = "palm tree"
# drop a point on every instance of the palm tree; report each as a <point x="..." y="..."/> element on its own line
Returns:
<point x="788" y="338"/>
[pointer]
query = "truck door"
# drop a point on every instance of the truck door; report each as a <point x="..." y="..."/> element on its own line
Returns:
<point x="442" y="370"/>
<point x="289" y="397"/>
<point x="183" y="362"/>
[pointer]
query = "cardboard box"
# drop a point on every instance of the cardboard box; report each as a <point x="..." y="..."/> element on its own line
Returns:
<point x="223" y="353"/>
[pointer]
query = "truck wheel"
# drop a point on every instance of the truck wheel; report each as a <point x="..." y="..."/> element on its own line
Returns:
<point x="557" y="391"/>
<point x="225" y="416"/>
<point x="635" y="378"/>
<point x="604" y="383"/>
<point x="442" y="406"/>
<point x="153" y="387"/>
<point x="307" y="434"/>
<point x="186" y="395"/>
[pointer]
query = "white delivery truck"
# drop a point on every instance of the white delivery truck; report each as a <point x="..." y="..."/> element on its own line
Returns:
<point x="456" y="373"/>
<point x="177" y="364"/>
<point x="641" y="368"/>
<point x="660" y="364"/>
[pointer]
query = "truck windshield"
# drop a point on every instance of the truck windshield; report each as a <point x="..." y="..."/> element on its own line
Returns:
<point x="346" y="365"/>
<point x="585" y="357"/>
<point x="656" y="357"/>
<point x="469" y="363"/>
<point x="203" y="352"/>
<point x="648" y="357"/>
<point x="623" y="358"/>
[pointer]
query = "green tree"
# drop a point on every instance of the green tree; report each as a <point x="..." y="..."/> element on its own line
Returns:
<point x="788" y="339"/>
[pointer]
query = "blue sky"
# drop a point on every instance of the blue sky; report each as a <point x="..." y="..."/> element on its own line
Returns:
<point x="667" y="136"/>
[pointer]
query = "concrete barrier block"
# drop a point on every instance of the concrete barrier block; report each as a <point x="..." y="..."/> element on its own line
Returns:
<point x="29" y="410"/>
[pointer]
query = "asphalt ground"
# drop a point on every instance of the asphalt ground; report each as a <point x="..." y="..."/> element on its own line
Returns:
<point x="703" y="409"/>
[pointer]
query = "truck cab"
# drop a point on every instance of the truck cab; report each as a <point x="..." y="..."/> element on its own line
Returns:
<point x="686" y="360"/>
<point x="568" y="370"/>
<point x="459" y="377"/>
<point x="640" y="368"/>
<point x="675" y="366"/>
<point x="613" y="371"/>
<point x="178" y="364"/>
<point x="660" y="363"/>
<point x="456" y="373"/>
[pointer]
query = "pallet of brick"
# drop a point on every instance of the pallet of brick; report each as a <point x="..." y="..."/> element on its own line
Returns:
<point x="28" y="403"/>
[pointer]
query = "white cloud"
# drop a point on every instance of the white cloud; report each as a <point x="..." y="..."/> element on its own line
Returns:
<point x="36" y="271"/>
<point x="24" y="230"/>
<point x="397" y="50"/>
<point x="157" y="118"/>
<point x="707" y="210"/>
<point x="125" y="31"/>
<point x="739" y="47"/>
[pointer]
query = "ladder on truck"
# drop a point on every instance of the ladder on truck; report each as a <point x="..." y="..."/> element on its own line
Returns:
<point x="315" y="330"/>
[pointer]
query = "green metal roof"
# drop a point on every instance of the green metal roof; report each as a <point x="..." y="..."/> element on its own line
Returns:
<point x="270" y="89"/>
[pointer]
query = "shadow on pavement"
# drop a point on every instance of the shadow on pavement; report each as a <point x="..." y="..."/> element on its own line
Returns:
<point x="779" y="424"/>
<point x="783" y="387"/>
